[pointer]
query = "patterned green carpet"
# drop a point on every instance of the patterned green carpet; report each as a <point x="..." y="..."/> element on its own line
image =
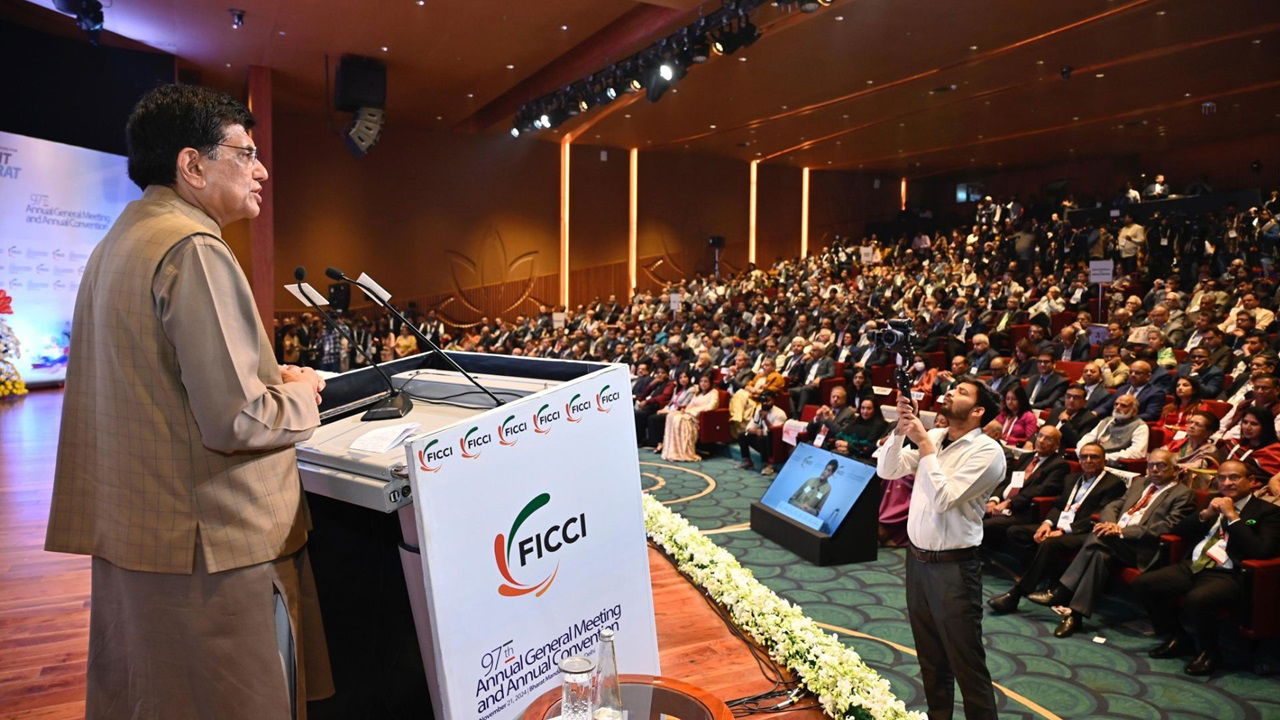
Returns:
<point x="1072" y="678"/>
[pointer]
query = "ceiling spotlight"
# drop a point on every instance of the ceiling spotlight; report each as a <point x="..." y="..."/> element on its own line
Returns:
<point x="88" y="14"/>
<point x="611" y="92"/>
<point x="544" y="120"/>
<point x="747" y="34"/>
<point x="809" y="6"/>
<point x="515" y="132"/>
<point x="665" y="72"/>
<point x="699" y="50"/>
<point x="635" y="85"/>
<point x="1065" y="72"/>
<point x="237" y="18"/>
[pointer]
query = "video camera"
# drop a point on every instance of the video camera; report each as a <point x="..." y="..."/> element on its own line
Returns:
<point x="899" y="337"/>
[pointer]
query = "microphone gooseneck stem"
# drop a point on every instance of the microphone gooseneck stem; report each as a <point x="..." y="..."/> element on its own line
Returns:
<point x="421" y="336"/>
<point x="334" y="324"/>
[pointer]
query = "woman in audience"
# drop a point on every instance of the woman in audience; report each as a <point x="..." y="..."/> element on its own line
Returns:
<point x="862" y="437"/>
<point x="1257" y="444"/>
<point x="1159" y="344"/>
<point x="1023" y="364"/>
<point x="860" y="387"/>
<point x="1017" y="422"/>
<point x="292" y="347"/>
<point x="680" y="437"/>
<point x="1187" y="400"/>
<point x="1195" y="450"/>
<point x="684" y="393"/>
<point x="922" y="376"/>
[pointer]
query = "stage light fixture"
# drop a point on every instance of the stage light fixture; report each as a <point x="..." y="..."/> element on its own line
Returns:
<point x="1065" y="72"/>
<point x="237" y="18"/>
<point x="515" y="132"/>
<point x="88" y="14"/>
<point x="809" y="6"/>
<point x="545" y="120"/>
<point x="699" y="50"/>
<point x="365" y="129"/>
<point x="666" y="72"/>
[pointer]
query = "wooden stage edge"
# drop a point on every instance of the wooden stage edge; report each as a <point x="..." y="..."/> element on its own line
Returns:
<point x="44" y="597"/>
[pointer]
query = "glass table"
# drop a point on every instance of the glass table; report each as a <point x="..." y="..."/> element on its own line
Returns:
<point x="646" y="697"/>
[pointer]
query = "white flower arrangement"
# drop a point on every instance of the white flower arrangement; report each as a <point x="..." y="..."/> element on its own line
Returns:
<point x="844" y="685"/>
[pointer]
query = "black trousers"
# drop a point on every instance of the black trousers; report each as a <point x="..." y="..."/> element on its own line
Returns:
<point x="1051" y="556"/>
<point x="801" y="396"/>
<point x="656" y="429"/>
<point x="1088" y="573"/>
<point x="944" y="604"/>
<point x="995" y="529"/>
<point x="763" y="444"/>
<point x="1203" y="595"/>
<point x="642" y="423"/>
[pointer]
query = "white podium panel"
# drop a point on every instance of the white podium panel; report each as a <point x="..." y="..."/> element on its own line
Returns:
<point x="532" y="540"/>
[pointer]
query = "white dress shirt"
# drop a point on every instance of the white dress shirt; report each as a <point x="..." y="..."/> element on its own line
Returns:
<point x="951" y="485"/>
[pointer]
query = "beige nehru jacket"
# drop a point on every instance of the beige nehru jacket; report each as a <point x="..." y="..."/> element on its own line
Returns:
<point x="175" y="419"/>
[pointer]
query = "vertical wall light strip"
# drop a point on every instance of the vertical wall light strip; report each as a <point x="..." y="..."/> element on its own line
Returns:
<point x="633" y="217"/>
<point x="904" y="194"/>
<point x="564" y="222"/>
<point x="804" y="213"/>
<point x="751" y="213"/>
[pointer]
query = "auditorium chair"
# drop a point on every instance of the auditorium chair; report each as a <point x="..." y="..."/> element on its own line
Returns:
<point x="1258" y="616"/>
<point x="826" y="386"/>
<point x="1018" y="333"/>
<point x="713" y="425"/>
<point x="937" y="359"/>
<point x="1218" y="408"/>
<point x="1071" y="369"/>
<point x="1057" y="321"/>
<point x="882" y="375"/>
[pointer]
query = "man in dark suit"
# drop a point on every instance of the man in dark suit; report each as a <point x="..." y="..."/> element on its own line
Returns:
<point x="644" y="376"/>
<point x="1235" y="526"/>
<point x="1198" y="366"/>
<point x="1033" y="475"/>
<point x="1064" y="530"/>
<point x="1047" y="386"/>
<point x="837" y="417"/>
<point x="1072" y="345"/>
<point x="1095" y="390"/>
<point x="1037" y="335"/>
<point x="981" y="356"/>
<point x="1127" y="532"/>
<point x="868" y="355"/>
<point x="948" y="378"/>
<point x="655" y="397"/>
<point x="1001" y="380"/>
<point x="1220" y="354"/>
<point x="1150" y="398"/>
<point x="1071" y="417"/>
<point x="818" y="367"/>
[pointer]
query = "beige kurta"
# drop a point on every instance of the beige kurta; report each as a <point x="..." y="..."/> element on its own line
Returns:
<point x="177" y="437"/>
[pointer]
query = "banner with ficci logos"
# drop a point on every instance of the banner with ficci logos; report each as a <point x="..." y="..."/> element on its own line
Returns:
<point x="532" y="541"/>
<point x="56" y="202"/>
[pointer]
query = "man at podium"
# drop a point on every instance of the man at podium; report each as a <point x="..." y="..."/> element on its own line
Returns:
<point x="813" y="494"/>
<point x="176" y="469"/>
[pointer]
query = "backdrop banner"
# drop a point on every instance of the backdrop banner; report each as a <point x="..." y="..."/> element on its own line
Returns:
<point x="532" y="541"/>
<point x="56" y="202"/>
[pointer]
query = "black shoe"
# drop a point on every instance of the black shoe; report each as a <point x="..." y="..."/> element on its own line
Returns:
<point x="1206" y="663"/>
<point x="1048" y="598"/>
<point x="1005" y="603"/>
<point x="1069" y="626"/>
<point x="1173" y="647"/>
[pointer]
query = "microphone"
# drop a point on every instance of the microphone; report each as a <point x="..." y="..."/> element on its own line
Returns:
<point x="395" y="405"/>
<point x="336" y="274"/>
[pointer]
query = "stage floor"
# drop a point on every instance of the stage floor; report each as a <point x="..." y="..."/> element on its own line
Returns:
<point x="44" y="597"/>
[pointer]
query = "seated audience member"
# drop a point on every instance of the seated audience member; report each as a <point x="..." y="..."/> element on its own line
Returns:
<point x="1263" y="391"/>
<point x="1127" y="533"/>
<point x="1196" y="449"/>
<point x="1187" y="399"/>
<point x="1234" y="527"/>
<point x="1064" y="530"/>
<point x="860" y="387"/>
<point x="744" y="403"/>
<point x="981" y="356"/>
<point x="946" y="379"/>
<point x="1023" y="365"/>
<point x="756" y="434"/>
<point x="921" y="375"/>
<point x="1045" y="388"/>
<point x="1158" y="346"/>
<point x="655" y="397"/>
<point x="681" y="396"/>
<point x="860" y="438"/>
<point x="895" y="502"/>
<point x="1257" y="442"/>
<point x="833" y="418"/>
<point x="1017" y="422"/>
<point x="1071" y="418"/>
<point x="1095" y="387"/>
<point x="1198" y="367"/>
<point x="1124" y="435"/>
<point x="1000" y="379"/>
<point x="818" y="367"/>
<point x="680" y="438"/>
<point x="1149" y="397"/>
<point x="1033" y="475"/>
<point x="1115" y="372"/>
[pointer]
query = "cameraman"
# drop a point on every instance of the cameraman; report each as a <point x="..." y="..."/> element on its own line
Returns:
<point x="956" y="469"/>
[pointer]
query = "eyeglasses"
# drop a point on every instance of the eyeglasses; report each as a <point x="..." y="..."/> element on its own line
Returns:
<point x="248" y="151"/>
<point x="1090" y="457"/>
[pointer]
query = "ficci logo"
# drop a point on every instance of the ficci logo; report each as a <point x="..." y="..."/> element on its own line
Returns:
<point x="534" y="547"/>
<point x="604" y="398"/>
<point x="543" y="418"/>
<point x="574" y="408"/>
<point x="471" y="442"/>
<point x="426" y="455"/>
<point x="509" y="429"/>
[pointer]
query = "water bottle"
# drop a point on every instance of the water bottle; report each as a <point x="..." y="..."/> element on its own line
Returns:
<point x="577" y="699"/>
<point x="609" y="692"/>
